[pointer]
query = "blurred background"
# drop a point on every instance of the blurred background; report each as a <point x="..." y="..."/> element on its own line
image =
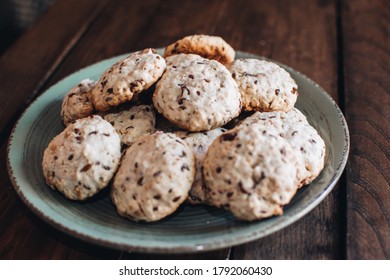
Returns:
<point x="18" y="15"/>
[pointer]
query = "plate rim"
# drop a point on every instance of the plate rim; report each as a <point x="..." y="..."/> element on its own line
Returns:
<point x="232" y="241"/>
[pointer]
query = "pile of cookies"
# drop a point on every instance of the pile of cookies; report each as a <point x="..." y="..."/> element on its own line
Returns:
<point x="192" y="125"/>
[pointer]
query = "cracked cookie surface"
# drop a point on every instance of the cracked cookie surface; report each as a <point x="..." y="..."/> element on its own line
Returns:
<point x="132" y="123"/>
<point x="251" y="172"/>
<point x="199" y="142"/>
<point x="154" y="178"/>
<point x="211" y="47"/>
<point x="77" y="103"/>
<point x="303" y="138"/>
<point x="196" y="94"/>
<point x="82" y="159"/>
<point x="127" y="78"/>
<point x="264" y="85"/>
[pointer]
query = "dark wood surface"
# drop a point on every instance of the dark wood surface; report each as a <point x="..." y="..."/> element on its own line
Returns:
<point x="366" y="25"/>
<point x="342" y="45"/>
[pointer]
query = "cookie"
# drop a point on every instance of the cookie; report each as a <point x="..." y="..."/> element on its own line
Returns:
<point x="77" y="102"/>
<point x="132" y="123"/>
<point x="303" y="138"/>
<point x="154" y="178"/>
<point x="250" y="172"/>
<point x="83" y="158"/>
<point x="196" y="94"/>
<point x="264" y="85"/>
<point x="127" y="78"/>
<point x="211" y="47"/>
<point x="199" y="142"/>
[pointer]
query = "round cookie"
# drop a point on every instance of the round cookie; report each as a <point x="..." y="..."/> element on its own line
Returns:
<point x="264" y="85"/>
<point x="303" y="138"/>
<point x="199" y="142"/>
<point x="127" y="78"/>
<point x="132" y="123"/>
<point x="77" y="102"/>
<point x="211" y="47"/>
<point x="196" y="94"/>
<point x="83" y="158"/>
<point x="250" y="172"/>
<point x="154" y="178"/>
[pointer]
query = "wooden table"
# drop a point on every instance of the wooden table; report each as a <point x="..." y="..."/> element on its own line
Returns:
<point x="343" y="45"/>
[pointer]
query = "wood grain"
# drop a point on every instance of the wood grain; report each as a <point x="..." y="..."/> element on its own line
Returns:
<point x="366" y="33"/>
<point x="172" y="22"/>
<point x="116" y="31"/>
<point x="26" y="66"/>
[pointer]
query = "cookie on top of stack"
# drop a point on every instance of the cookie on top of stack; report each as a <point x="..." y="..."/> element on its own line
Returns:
<point x="176" y="145"/>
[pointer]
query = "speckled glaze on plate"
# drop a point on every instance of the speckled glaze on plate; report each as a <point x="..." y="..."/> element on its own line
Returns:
<point x="191" y="228"/>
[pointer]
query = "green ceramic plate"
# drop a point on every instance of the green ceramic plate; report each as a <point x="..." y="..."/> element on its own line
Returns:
<point x="191" y="228"/>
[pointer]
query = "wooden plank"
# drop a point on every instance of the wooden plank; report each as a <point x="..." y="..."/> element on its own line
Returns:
<point x="176" y="19"/>
<point x="300" y="34"/>
<point x="154" y="24"/>
<point x="34" y="57"/>
<point x="115" y="32"/>
<point x="366" y="31"/>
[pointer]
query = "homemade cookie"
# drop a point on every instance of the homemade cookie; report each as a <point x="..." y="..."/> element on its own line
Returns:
<point x="132" y="123"/>
<point x="196" y="94"/>
<point x="303" y="138"/>
<point x="82" y="159"/>
<point x="127" y="78"/>
<point x="264" y="85"/>
<point x="250" y="172"/>
<point x="77" y="102"/>
<point x="154" y="178"/>
<point x="211" y="47"/>
<point x="199" y="142"/>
